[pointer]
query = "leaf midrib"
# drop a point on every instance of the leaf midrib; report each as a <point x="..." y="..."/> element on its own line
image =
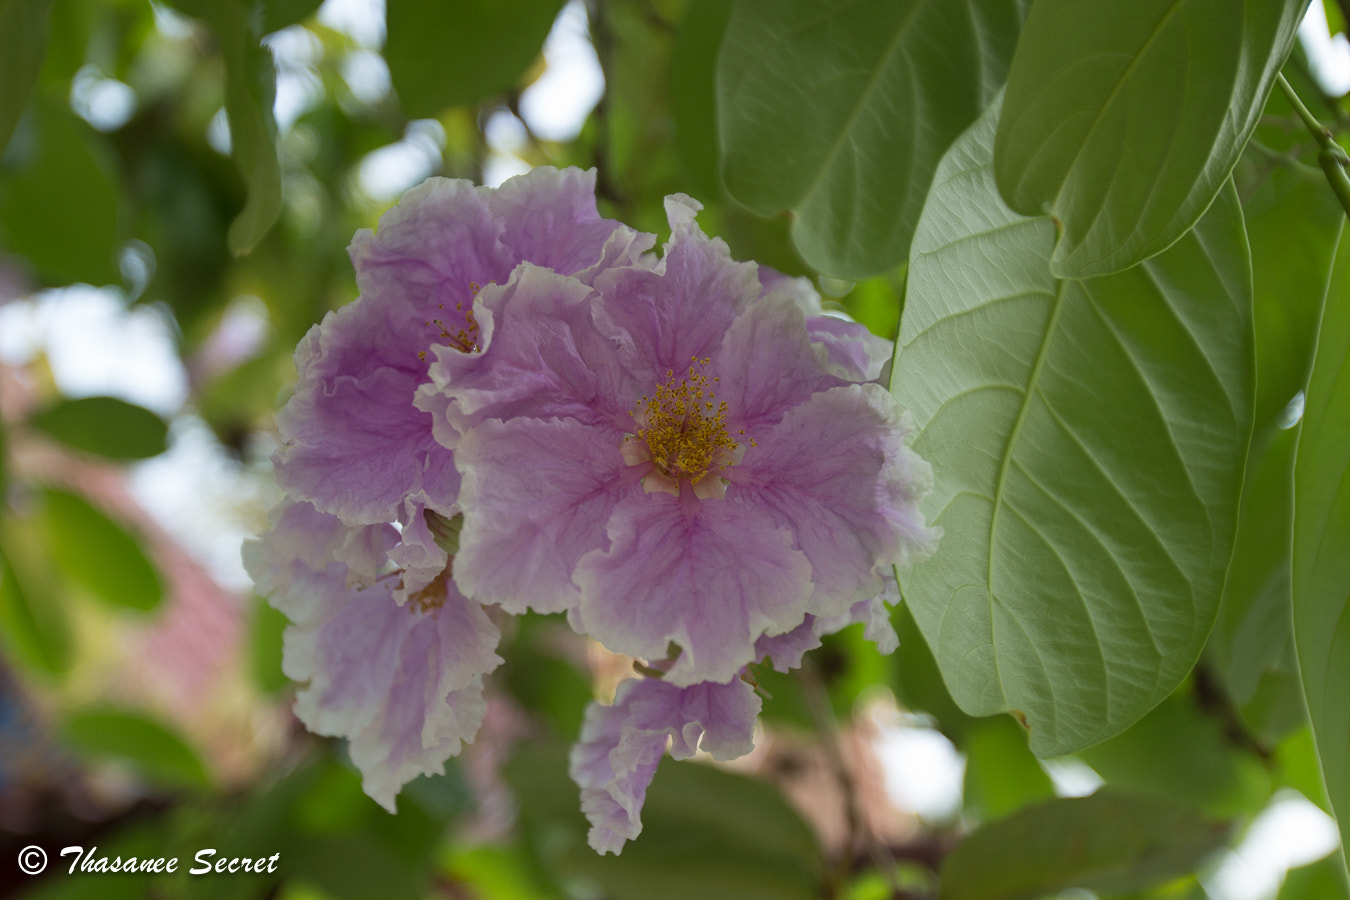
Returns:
<point x="1006" y="463"/>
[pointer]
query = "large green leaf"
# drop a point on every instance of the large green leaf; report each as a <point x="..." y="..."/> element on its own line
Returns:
<point x="1293" y="224"/>
<point x="839" y="112"/>
<point x="106" y="426"/>
<point x="1321" y="566"/>
<point x="24" y="28"/>
<point x="1108" y="842"/>
<point x="98" y="553"/>
<point x="446" y="54"/>
<point x="1123" y="120"/>
<point x="1087" y="439"/>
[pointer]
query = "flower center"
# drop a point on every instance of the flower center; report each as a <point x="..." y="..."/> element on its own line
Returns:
<point x="682" y="431"/>
<point x="464" y="338"/>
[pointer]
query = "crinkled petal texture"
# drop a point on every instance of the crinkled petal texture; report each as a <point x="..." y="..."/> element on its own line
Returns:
<point x="353" y="443"/>
<point x="806" y="498"/>
<point x="402" y="684"/>
<point x="622" y="744"/>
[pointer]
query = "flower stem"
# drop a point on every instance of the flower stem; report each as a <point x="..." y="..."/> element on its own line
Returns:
<point x="1332" y="156"/>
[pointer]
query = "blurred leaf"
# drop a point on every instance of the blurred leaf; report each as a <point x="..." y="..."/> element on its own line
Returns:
<point x="1321" y="568"/>
<point x="1088" y="441"/>
<point x="693" y="90"/>
<point x="1297" y="767"/>
<point x="1109" y="842"/>
<point x="250" y="91"/>
<point x="24" y="28"/>
<point x="442" y="55"/>
<point x="540" y="677"/>
<point x="277" y="14"/>
<point x="158" y="753"/>
<point x="143" y="841"/>
<point x="502" y="873"/>
<point x="266" y="645"/>
<point x="840" y="111"/>
<point x="706" y="833"/>
<point x="98" y="553"/>
<point x="1177" y="752"/>
<point x="59" y="198"/>
<point x="1124" y="120"/>
<point x="1322" y="880"/>
<point x="105" y="426"/>
<point x="920" y="686"/>
<point x="1293" y="226"/>
<point x="1002" y="774"/>
<point x="35" y="632"/>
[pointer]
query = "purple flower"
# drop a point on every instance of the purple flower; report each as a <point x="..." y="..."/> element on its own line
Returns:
<point x="622" y="744"/>
<point x="404" y="684"/>
<point x="667" y="455"/>
<point x="353" y="444"/>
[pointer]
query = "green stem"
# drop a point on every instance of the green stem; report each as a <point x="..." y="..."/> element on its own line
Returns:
<point x="1332" y="157"/>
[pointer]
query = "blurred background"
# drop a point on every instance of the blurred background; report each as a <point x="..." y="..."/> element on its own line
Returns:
<point x="175" y="204"/>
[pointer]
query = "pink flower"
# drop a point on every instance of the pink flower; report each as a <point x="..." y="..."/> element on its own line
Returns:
<point x="404" y="684"/>
<point x="667" y="455"/>
<point x="353" y="444"/>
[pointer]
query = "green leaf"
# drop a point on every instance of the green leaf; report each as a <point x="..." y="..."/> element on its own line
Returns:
<point x="25" y="26"/>
<point x="1087" y="440"/>
<point x="442" y="55"/>
<point x="59" y="198"/>
<point x="1322" y="880"/>
<point x="277" y="14"/>
<point x="1321" y="566"/>
<point x="1002" y="775"/>
<point x="693" y="90"/>
<point x="706" y="833"/>
<point x="158" y="753"/>
<point x="250" y="90"/>
<point x="1293" y="226"/>
<point x="1109" y="842"/>
<point x="839" y="112"/>
<point x="98" y="553"/>
<point x="1178" y="752"/>
<point x="34" y="630"/>
<point x="104" y="426"/>
<point x="1124" y="120"/>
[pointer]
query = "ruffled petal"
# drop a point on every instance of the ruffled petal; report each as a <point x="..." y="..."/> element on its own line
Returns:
<point x="711" y="577"/>
<point x="851" y="350"/>
<point x="837" y="475"/>
<point x="767" y="365"/>
<point x="536" y="498"/>
<point x="542" y="357"/>
<point x="549" y="218"/>
<point x="680" y="308"/>
<point x="403" y="684"/>
<point x="621" y="746"/>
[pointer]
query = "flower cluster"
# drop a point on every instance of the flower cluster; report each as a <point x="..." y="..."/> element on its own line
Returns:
<point x="527" y="409"/>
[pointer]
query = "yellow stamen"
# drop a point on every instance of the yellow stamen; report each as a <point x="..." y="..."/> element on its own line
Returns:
<point x="684" y="430"/>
